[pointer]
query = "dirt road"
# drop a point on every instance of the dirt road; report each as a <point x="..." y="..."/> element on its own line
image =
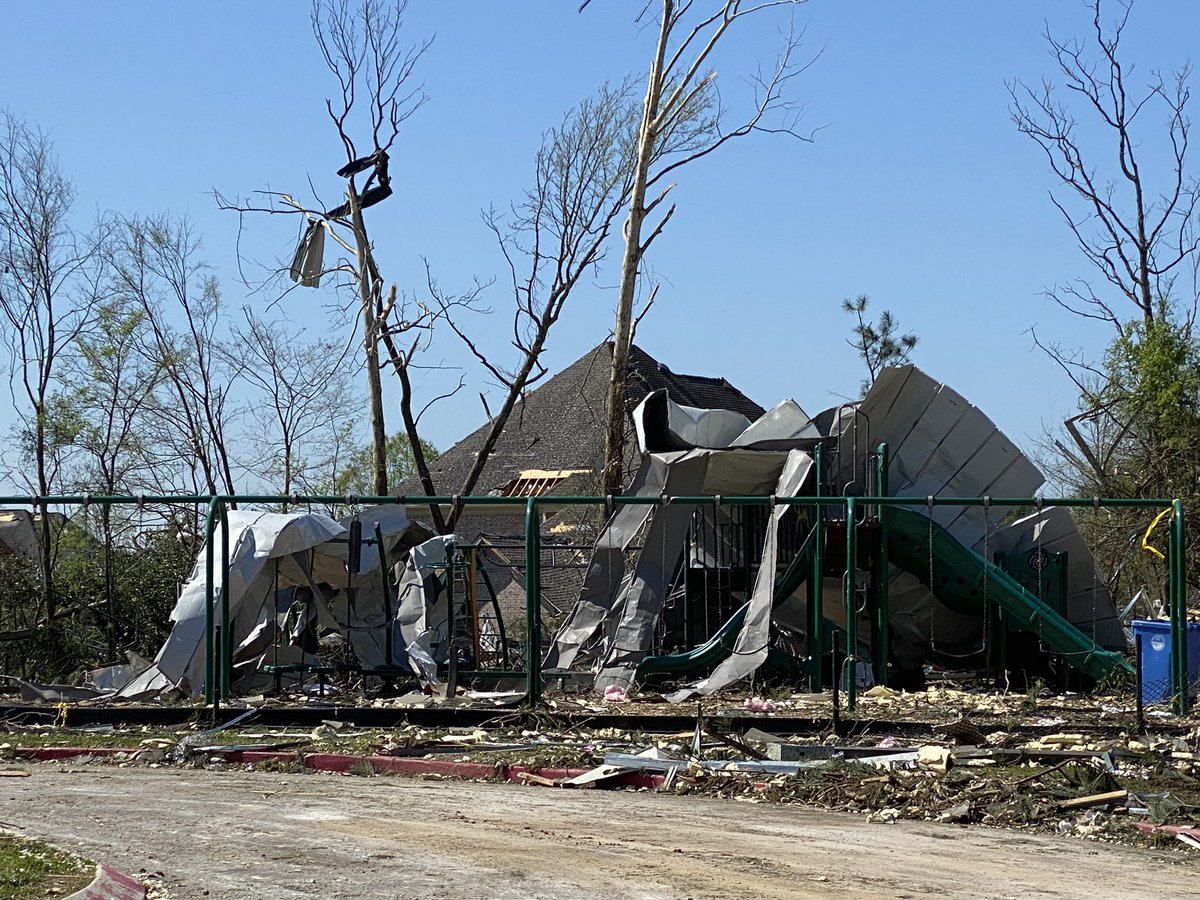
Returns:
<point x="238" y="835"/>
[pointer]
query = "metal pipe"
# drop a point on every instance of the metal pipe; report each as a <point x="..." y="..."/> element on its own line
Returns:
<point x="387" y="596"/>
<point x="563" y="500"/>
<point x="1178" y="583"/>
<point x="451" y="625"/>
<point x="816" y="594"/>
<point x="226" y="631"/>
<point x="851" y="605"/>
<point x="881" y="638"/>
<point x="210" y="691"/>
<point x="533" y="590"/>
<point x="837" y="712"/>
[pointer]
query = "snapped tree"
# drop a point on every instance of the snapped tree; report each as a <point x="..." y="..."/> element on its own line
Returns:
<point x="362" y="45"/>
<point x="682" y="120"/>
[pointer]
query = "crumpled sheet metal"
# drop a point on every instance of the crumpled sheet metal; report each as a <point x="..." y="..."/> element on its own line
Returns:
<point x="750" y="649"/>
<point x="270" y="551"/>
<point x="576" y="638"/>
<point x="629" y="628"/>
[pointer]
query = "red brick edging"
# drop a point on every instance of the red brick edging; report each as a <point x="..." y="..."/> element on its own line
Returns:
<point x="344" y="763"/>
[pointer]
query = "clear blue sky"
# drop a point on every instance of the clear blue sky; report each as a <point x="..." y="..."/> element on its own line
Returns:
<point x="918" y="191"/>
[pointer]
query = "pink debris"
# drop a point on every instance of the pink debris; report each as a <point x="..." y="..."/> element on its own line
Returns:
<point x="888" y="742"/>
<point x="615" y="694"/>
<point x="759" y="704"/>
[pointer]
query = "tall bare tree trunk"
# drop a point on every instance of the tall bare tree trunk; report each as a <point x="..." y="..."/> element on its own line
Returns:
<point x="614" y="438"/>
<point x="368" y="286"/>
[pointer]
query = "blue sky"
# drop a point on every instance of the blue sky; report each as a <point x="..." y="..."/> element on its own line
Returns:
<point x="917" y="191"/>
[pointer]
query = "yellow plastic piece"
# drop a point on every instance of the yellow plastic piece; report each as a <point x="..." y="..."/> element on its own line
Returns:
<point x="1146" y="537"/>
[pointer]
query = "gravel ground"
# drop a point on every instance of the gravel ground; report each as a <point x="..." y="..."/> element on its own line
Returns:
<point x="240" y="835"/>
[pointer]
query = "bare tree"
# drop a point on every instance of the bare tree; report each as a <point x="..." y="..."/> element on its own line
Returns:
<point x="1127" y="195"/>
<point x="157" y="267"/>
<point x="361" y="44"/>
<point x="301" y="397"/>
<point x="1134" y="223"/>
<point x="550" y="241"/>
<point x="407" y="326"/>
<point x="682" y="121"/>
<point x="108" y="386"/>
<point x="50" y="282"/>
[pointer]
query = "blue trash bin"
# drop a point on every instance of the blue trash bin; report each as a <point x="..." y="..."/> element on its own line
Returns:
<point x="1156" y="657"/>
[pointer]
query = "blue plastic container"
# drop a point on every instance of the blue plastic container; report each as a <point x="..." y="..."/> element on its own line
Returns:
<point x="1156" y="657"/>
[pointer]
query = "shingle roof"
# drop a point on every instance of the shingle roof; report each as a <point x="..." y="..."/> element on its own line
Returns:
<point x="560" y="425"/>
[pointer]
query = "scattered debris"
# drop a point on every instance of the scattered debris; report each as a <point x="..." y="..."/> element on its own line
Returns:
<point x="759" y="704"/>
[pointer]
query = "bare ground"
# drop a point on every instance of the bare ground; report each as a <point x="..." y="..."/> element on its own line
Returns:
<point x="276" y="837"/>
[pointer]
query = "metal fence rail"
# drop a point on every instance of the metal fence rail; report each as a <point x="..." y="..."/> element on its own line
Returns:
<point x="219" y="638"/>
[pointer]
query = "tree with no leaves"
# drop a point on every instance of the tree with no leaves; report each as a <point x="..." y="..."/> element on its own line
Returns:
<point x="1134" y="222"/>
<point x="361" y="43"/>
<point x="551" y="240"/>
<point x="51" y="278"/>
<point x="682" y="121"/>
<point x="300" y="398"/>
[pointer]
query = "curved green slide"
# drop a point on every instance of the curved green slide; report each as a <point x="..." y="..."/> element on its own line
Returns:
<point x="720" y="645"/>
<point x="963" y="578"/>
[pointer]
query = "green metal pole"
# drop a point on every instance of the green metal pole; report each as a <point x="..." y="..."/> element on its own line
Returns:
<point x="226" y="631"/>
<point x="851" y="607"/>
<point x="386" y="585"/>
<point x="816" y="612"/>
<point x="451" y="626"/>
<point x="1178" y="583"/>
<point x="533" y="591"/>
<point x="210" y="692"/>
<point x="880" y="632"/>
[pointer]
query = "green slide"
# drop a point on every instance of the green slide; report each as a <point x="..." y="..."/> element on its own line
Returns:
<point x="961" y="576"/>
<point x="704" y="657"/>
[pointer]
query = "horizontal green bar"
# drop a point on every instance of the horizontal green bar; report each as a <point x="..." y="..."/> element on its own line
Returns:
<point x="559" y="500"/>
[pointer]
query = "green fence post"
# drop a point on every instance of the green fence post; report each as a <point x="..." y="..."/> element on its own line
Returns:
<point x="210" y="669"/>
<point x="851" y="607"/>
<point x="816" y="598"/>
<point x="226" y="631"/>
<point x="533" y="592"/>
<point x="880" y="613"/>
<point x="1178" y="603"/>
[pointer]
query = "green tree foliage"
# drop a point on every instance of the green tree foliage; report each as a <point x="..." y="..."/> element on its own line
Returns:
<point x="1137" y="436"/>
<point x="879" y="343"/>
<point x="146" y="573"/>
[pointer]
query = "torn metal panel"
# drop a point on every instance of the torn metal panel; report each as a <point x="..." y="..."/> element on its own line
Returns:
<point x="750" y="649"/>
<point x="634" y="613"/>
<point x="786" y="423"/>
<point x="662" y="425"/>
<point x="269" y="552"/>
<point x="576" y="638"/>
<point x="742" y="472"/>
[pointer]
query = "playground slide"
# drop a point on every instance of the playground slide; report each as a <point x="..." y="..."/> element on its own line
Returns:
<point x="703" y="658"/>
<point x="960" y="573"/>
<point x="961" y="576"/>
